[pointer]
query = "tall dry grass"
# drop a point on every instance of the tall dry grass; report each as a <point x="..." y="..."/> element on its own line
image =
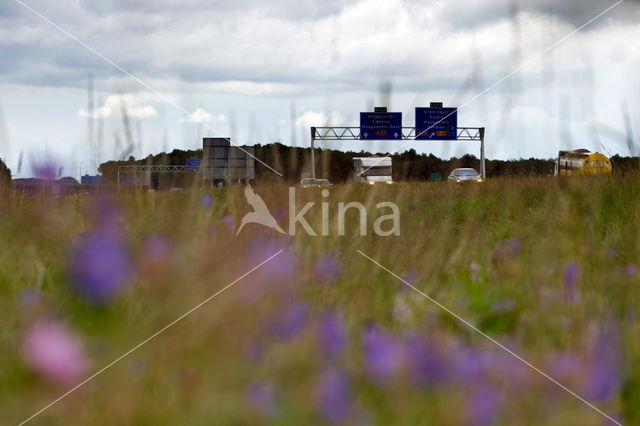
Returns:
<point x="545" y="266"/>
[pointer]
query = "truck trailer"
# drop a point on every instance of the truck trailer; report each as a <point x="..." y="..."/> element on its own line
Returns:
<point x="373" y="170"/>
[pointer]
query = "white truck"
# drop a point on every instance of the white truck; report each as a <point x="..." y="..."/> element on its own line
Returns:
<point x="373" y="170"/>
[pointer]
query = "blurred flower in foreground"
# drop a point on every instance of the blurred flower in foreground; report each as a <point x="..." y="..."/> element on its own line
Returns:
<point x="571" y="272"/>
<point x="332" y="335"/>
<point x="327" y="268"/>
<point x="629" y="271"/>
<point x="100" y="266"/>
<point x="156" y="248"/>
<point x="106" y="214"/>
<point x="279" y="214"/>
<point x="410" y="276"/>
<point x="54" y="352"/>
<point x="46" y="168"/>
<point x="469" y="364"/>
<point x="565" y="367"/>
<point x="510" y="247"/>
<point x="275" y="277"/>
<point x="261" y="396"/>
<point x="483" y="405"/>
<point x="602" y="375"/>
<point x="334" y="396"/>
<point x="384" y="354"/>
<point x="228" y="221"/>
<point x="291" y="321"/>
<point x="30" y="297"/>
<point x="254" y="350"/>
<point x="206" y="201"/>
<point x="427" y="362"/>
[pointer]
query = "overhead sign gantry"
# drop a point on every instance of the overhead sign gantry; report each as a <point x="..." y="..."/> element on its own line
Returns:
<point x="434" y="123"/>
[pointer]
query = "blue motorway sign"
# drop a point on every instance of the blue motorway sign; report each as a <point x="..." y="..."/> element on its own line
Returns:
<point x="436" y="123"/>
<point x="193" y="165"/>
<point x="90" y="180"/>
<point x="380" y="125"/>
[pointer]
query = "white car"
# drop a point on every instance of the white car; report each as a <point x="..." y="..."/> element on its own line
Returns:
<point x="465" y="175"/>
<point x="311" y="182"/>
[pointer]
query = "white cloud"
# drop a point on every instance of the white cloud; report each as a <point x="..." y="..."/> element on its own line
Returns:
<point x="320" y="119"/>
<point x="202" y="116"/>
<point x="99" y="113"/>
<point x="131" y="104"/>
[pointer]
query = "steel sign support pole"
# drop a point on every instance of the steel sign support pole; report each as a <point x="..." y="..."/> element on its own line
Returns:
<point x="475" y="134"/>
<point x="483" y="170"/>
<point x="118" y="179"/>
<point x="313" y="159"/>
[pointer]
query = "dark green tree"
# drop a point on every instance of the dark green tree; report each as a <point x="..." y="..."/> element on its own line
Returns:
<point x="5" y="174"/>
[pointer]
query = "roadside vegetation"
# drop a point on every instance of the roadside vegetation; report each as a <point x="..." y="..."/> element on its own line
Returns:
<point x="320" y="334"/>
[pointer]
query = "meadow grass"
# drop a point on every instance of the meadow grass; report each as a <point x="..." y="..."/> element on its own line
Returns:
<point x="546" y="266"/>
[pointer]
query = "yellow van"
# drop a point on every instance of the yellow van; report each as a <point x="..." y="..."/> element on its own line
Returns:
<point x="582" y="162"/>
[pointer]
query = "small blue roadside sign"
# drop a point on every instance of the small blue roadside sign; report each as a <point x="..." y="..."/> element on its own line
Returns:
<point x="193" y="165"/>
<point x="90" y="180"/>
<point x="380" y="125"/>
<point x="436" y="123"/>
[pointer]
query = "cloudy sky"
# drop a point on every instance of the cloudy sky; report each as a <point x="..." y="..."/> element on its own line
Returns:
<point x="168" y="72"/>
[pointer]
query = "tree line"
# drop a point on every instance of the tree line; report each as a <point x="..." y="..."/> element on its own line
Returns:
<point x="337" y="166"/>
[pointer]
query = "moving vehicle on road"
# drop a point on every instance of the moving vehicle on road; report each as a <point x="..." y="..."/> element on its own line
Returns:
<point x="465" y="175"/>
<point x="373" y="170"/>
<point x="317" y="183"/>
<point x="582" y="162"/>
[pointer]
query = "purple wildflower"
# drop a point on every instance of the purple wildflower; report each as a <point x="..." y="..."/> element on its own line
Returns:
<point x="427" y="363"/>
<point x="156" y="248"/>
<point x="483" y="405"/>
<point x="292" y="321"/>
<point x="262" y="397"/>
<point x="384" y="355"/>
<point x="228" y="221"/>
<point x="510" y="247"/>
<point x="276" y="274"/>
<point x="411" y="276"/>
<point x="206" y="202"/>
<point x="100" y="266"/>
<point x="29" y="297"/>
<point x="106" y="213"/>
<point x="470" y="365"/>
<point x="254" y="350"/>
<point x="54" y="352"/>
<point x="603" y="377"/>
<point x="571" y="272"/>
<point x="502" y="306"/>
<point x="514" y="246"/>
<point x="564" y="367"/>
<point x="334" y="396"/>
<point x="572" y="292"/>
<point x="629" y="271"/>
<point x="45" y="169"/>
<point x="279" y="214"/>
<point x="327" y="268"/>
<point x="332" y="335"/>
